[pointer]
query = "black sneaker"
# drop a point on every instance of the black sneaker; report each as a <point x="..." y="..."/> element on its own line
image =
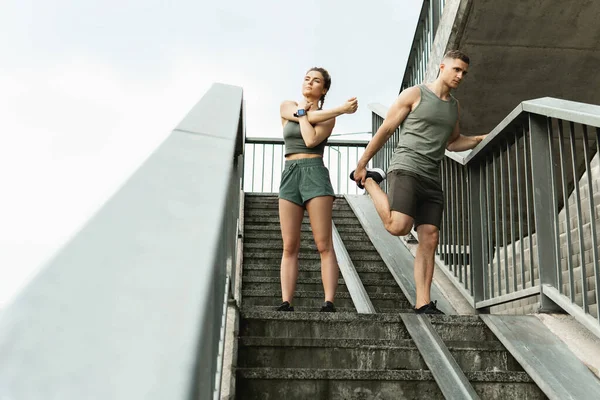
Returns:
<point x="328" y="307"/>
<point x="285" y="306"/>
<point x="430" y="308"/>
<point x="377" y="174"/>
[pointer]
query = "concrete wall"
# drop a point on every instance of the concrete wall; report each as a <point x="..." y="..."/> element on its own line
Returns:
<point x="520" y="50"/>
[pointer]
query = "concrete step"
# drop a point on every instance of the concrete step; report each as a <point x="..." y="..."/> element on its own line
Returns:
<point x="271" y="254"/>
<point x="302" y="383"/>
<point x="300" y="309"/>
<point x="274" y="219"/>
<point x="274" y="227"/>
<point x="267" y="323"/>
<point x="310" y="269"/>
<point x="274" y="205"/>
<point x="268" y="212"/>
<point x="275" y="235"/>
<point x="469" y="328"/>
<point x="316" y="283"/>
<point x="274" y="283"/>
<point x="339" y="309"/>
<point x="316" y="298"/>
<point x="358" y="247"/>
<point x="356" y="326"/>
<point x="261" y="352"/>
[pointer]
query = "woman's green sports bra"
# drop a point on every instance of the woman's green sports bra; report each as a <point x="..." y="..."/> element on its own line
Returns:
<point x="294" y="143"/>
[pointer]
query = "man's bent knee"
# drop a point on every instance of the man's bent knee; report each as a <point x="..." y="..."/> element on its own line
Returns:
<point x="398" y="228"/>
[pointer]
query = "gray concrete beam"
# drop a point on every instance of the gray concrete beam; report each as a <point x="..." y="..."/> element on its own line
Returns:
<point x="519" y="50"/>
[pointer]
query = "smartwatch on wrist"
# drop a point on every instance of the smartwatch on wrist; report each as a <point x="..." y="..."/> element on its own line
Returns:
<point x="300" y="113"/>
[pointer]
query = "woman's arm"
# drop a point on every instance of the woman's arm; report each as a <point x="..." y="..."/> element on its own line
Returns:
<point x="313" y="134"/>
<point x="288" y="108"/>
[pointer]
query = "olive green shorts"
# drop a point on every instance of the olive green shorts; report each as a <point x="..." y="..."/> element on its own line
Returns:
<point x="304" y="179"/>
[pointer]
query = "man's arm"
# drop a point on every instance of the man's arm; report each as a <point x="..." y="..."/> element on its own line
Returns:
<point x="458" y="142"/>
<point x="394" y="117"/>
<point x="288" y="108"/>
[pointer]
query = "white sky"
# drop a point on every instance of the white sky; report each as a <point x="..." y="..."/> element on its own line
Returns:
<point x="88" y="89"/>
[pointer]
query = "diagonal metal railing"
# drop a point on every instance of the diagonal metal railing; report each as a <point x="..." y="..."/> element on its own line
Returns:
<point x="133" y="306"/>
<point x="521" y="210"/>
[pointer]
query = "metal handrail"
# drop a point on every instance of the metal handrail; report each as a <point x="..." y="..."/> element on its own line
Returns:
<point x="515" y="212"/>
<point x="330" y="142"/>
<point x="266" y="159"/>
<point x="132" y="307"/>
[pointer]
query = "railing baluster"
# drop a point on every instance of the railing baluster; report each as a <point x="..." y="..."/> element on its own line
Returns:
<point x="452" y="218"/>
<point x="443" y="178"/>
<point x="544" y="215"/>
<point x="457" y="268"/>
<point x="561" y="149"/>
<point x="445" y="214"/>
<point x="511" y="216"/>
<point x="527" y="171"/>
<point x="579" y="218"/>
<point x="503" y="206"/>
<point x="559" y="279"/>
<point x="490" y="201"/>
<point x="594" y="240"/>
<point x="253" y="164"/>
<point x="463" y="208"/>
<point x="480" y="286"/>
<point x="520" y="211"/>
<point x="468" y="241"/>
<point x="272" y="166"/>
<point x="497" y="227"/>
<point x="281" y="159"/>
<point x="347" y="173"/>
<point x="591" y="203"/>
<point x="448" y="233"/>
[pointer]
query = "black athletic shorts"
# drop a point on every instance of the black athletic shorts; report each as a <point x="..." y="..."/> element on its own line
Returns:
<point x="416" y="196"/>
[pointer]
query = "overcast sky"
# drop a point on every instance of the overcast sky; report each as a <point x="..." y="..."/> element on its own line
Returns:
<point x="88" y="89"/>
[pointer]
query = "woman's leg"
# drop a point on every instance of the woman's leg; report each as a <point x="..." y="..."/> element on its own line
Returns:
<point x="290" y="219"/>
<point x="319" y="211"/>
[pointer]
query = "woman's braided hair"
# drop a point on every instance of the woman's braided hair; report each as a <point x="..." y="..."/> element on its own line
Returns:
<point x="326" y="84"/>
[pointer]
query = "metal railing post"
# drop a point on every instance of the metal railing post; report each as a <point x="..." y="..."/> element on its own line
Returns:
<point x="543" y="210"/>
<point x="476" y="221"/>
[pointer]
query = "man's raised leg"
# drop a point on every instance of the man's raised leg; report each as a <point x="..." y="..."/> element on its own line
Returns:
<point x="396" y="223"/>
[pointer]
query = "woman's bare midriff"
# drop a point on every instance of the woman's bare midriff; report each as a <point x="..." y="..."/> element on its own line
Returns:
<point x="298" y="156"/>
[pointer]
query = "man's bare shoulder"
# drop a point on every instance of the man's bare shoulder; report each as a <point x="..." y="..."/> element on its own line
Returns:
<point x="409" y="96"/>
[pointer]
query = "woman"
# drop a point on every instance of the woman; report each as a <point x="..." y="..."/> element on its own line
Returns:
<point x="305" y="183"/>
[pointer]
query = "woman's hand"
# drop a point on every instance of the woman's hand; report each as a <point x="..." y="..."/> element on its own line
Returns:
<point x="350" y="106"/>
<point x="303" y="104"/>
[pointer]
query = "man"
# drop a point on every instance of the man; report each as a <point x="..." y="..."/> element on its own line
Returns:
<point x="429" y="117"/>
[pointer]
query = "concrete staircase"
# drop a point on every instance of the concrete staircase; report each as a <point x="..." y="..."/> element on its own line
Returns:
<point x="345" y="355"/>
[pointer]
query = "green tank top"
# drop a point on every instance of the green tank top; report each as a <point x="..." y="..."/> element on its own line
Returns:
<point x="424" y="135"/>
<point x="294" y="143"/>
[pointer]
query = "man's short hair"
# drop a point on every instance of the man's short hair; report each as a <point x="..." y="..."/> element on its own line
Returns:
<point x="457" y="55"/>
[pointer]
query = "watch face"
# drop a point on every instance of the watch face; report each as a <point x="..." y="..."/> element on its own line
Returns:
<point x="301" y="113"/>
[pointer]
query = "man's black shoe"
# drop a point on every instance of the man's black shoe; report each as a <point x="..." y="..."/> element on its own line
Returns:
<point x="430" y="308"/>
<point x="328" y="307"/>
<point x="285" y="306"/>
<point x="377" y="174"/>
